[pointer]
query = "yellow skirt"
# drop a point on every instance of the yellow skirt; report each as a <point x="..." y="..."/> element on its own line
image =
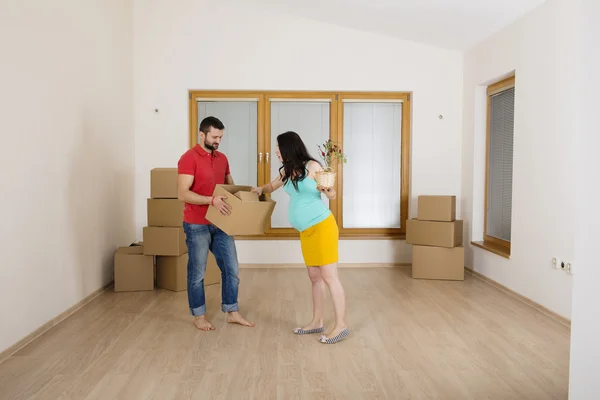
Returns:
<point x="320" y="243"/>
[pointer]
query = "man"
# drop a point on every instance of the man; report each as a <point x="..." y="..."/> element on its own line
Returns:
<point x="200" y="169"/>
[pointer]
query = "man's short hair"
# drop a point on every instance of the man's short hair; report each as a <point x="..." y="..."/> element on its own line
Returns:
<point x="211" y="122"/>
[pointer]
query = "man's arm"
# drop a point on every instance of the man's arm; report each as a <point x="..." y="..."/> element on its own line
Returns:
<point x="184" y="183"/>
<point x="229" y="180"/>
<point x="185" y="179"/>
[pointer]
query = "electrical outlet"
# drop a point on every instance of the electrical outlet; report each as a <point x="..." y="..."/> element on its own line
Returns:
<point x="556" y="262"/>
<point x="569" y="268"/>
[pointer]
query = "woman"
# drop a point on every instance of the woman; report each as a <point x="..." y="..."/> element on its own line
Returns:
<point x="318" y="231"/>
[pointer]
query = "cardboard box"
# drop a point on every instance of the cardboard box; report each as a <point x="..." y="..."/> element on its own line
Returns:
<point x="442" y="263"/>
<point x="141" y="243"/>
<point x="164" y="241"/>
<point x="247" y="196"/>
<point x="163" y="183"/>
<point x="172" y="272"/>
<point x="165" y="212"/>
<point x="133" y="271"/>
<point x="429" y="233"/>
<point x="250" y="214"/>
<point x="436" y="208"/>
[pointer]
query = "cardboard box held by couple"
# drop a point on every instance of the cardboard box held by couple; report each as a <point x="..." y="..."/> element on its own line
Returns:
<point x="250" y="213"/>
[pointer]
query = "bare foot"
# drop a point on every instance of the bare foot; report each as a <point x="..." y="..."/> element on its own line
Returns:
<point x="202" y="323"/>
<point x="336" y="331"/>
<point x="236" y="318"/>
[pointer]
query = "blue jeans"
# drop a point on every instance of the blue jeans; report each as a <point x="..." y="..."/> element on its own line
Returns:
<point x="201" y="239"/>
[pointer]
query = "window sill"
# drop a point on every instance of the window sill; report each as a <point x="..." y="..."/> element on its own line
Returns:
<point x="493" y="248"/>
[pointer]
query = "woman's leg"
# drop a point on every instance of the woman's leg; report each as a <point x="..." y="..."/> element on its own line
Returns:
<point x="329" y="273"/>
<point x="318" y="295"/>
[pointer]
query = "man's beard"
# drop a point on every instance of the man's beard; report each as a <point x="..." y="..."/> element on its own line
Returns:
<point x="211" y="146"/>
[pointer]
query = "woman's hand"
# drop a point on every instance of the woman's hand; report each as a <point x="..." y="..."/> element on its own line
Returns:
<point x="329" y="192"/>
<point x="258" y="191"/>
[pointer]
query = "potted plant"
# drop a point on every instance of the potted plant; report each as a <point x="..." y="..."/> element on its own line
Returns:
<point x="330" y="153"/>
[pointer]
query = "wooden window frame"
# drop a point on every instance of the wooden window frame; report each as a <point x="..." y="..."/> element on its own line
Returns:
<point x="336" y="134"/>
<point x="490" y="243"/>
<point x="291" y="232"/>
<point x="404" y="167"/>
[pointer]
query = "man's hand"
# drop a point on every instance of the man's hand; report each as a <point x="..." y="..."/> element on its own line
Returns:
<point x="219" y="203"/>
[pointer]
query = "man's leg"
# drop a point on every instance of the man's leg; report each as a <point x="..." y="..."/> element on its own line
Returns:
<point x="198" y="241"/>
<point x="223" y="247"/>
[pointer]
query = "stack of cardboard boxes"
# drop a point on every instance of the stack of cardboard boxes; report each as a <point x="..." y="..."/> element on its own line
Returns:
<point x="436" y="236"/>
<point x="162" y="256"/>
<point x="164" y="236"/>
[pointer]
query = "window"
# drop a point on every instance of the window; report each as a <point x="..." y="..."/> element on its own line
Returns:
<point x="241" y="146"/>
<point x="310" y="118"/>
<point x="372" y="138"/>
<point x="372" y="128"/>
<point x="499" y="166"/>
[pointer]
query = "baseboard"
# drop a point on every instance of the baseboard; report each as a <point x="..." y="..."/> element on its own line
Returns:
<point x="341" y="265"/>
<point x="526" y="300"/>
<point x="52" y="323"/>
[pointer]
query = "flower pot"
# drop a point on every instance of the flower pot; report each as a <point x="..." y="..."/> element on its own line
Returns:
<point x="325" y="179"/>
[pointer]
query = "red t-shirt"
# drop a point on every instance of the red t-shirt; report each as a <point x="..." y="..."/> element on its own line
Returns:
<point x="209" y="170"/>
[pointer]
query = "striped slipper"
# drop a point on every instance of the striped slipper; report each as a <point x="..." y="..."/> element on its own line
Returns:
<point x="300" y="331"/>
<point x="342" y="335"/>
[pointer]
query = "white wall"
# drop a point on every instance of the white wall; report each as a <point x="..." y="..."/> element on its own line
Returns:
<point x="585" y="327"/>
<point x="66" y="160"/>
<point x="199" y="44"/>
<point x="539" y="47"/>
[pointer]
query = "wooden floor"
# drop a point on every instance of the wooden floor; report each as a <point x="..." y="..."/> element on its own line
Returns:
<point x="410" y="340"/>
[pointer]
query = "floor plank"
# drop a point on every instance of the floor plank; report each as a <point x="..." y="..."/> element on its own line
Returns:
<point x="411" y="339"/>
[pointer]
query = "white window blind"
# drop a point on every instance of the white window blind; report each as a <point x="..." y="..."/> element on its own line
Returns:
<point x="372" y="177"/>
<point x="310" y="120"/>
<point x="500" y="165"/>
<point x="239" y="142"/>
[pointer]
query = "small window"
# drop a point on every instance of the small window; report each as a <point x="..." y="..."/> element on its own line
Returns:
<point x="499" y="164"/>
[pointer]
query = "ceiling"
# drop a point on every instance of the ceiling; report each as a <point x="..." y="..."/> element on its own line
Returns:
<point x="451" y="24"/>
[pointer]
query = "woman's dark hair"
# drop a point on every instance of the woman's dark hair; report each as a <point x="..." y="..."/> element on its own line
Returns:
<point x="295" y="156"/>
